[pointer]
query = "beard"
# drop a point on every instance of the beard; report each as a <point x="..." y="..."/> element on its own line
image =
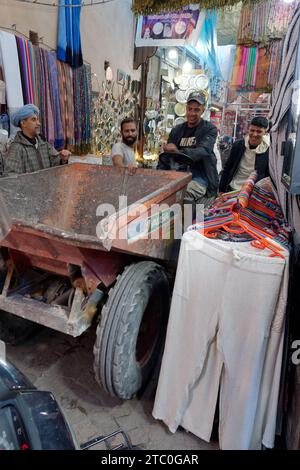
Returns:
<point x="129" y="140"/>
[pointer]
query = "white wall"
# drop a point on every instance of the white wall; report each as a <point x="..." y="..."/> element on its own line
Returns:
<point x="41" y="19"/>
<point x="107" y="31"/>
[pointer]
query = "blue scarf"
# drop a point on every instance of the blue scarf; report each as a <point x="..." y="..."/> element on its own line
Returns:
<point x="68" y="41"/>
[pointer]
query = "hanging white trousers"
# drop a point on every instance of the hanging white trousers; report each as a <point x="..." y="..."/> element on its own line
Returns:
<point x="225" y="329"/>
<point x="11" y="69"/>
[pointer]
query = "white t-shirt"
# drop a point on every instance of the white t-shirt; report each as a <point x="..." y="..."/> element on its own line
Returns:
<point x="127" y="152"/>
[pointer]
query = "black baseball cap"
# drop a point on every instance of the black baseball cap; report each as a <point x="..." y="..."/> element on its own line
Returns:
<point x="197" y="96"/>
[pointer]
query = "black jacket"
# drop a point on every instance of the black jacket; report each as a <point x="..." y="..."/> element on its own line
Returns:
<point x="233" y="162"/>
<point x="203" y="154"/>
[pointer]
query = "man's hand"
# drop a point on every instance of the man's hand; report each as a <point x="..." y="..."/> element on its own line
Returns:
<point x="131" y="169"/>
<point x="65" y="155"/>
<point x="171" y="148"/>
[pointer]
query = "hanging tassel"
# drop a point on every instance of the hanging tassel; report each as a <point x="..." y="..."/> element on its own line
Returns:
<point x="148" y="7"/>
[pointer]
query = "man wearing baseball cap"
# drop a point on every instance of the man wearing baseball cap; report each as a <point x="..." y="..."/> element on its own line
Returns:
<point x="29" y="152"/>
<point x="196" y="139"/>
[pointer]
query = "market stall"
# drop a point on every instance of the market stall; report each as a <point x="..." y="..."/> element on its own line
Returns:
<point x="222" y="358"/>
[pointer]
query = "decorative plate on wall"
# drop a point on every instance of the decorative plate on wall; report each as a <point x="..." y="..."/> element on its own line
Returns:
<point x="188" y="92"/>
<point x="184" y="83"/>
<point x="202" y="82"/>
<point x="180" y="109"/>
<point x="179" y="120"/>
<point x="180" y="96"/>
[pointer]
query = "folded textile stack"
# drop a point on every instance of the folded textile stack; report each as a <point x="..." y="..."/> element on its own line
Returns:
<point x="259" y="209"/>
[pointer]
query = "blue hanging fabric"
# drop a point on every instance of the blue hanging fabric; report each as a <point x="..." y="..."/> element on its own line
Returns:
<point x="207" y="44"/>
<point x="208" y="37"/>
<point x="61" y="33"/>
<point x="68" y="41"/>
<point x="76" y="36"/>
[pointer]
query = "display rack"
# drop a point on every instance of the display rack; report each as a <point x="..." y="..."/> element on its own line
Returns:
<point x="243" y="110"/>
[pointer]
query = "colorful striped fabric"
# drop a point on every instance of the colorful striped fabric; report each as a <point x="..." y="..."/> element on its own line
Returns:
<point x="258" y="210"/>
<point x="66" y="96"/>
<point x="44" y="84"/>
<point x="27" y="64"/>
<point x="264" y="21"/>
<point x="82" y="107"/>
<point x="256" y="67"/>
<point x="54" y="99"/>
<point x="246" y="191"/>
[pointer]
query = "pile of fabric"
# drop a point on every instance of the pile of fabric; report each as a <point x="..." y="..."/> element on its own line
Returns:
<point x="259" y="209"/>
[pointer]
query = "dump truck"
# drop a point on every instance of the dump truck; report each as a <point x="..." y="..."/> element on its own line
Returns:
<point x="91" y="244"/>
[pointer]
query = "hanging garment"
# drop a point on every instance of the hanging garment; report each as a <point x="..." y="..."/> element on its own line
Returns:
<point x="82" y="106"/>
<point x="54" y="99"/>
<point x="69" y="42"/>
<point x="227" y="25"/>
<point x="280" y="15"/>
<point x="44" y="84"/>
<point x="65" y="82"/>
<point x="263" y="65"/>
<point x="264" y="21"/>
<point x="28" y="71"/>
<point x="11" y="71"/>
<point x="225" y="328"/>
<point x="281" y="104"/>
<point x="208" y="43"/>
<point x="255" y="68"/>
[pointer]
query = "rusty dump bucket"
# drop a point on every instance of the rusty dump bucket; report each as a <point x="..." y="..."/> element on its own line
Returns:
<point x="63" y="203"/>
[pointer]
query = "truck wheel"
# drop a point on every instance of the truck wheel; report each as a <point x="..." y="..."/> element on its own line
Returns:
<point x="14" y="330"/>
<point x="131" y="329"/>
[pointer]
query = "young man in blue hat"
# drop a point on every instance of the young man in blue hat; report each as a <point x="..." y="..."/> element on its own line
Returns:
<point x="29" y="152"/>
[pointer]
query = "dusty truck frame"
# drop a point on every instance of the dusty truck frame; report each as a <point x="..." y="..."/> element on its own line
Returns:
<point x="55" y="271"/>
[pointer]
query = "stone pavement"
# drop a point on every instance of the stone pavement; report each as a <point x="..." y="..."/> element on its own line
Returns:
<point x="64" y="365"/>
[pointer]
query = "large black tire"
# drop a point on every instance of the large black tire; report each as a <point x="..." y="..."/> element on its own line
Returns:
<point x="14" y="330"/>
<point x="131" y="329"/>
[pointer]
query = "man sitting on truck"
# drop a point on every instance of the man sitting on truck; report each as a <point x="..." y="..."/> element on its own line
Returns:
<point x="30" y="152"/>
<point x="196" y="139"/>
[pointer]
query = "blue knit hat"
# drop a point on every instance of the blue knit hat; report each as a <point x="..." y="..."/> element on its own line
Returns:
<point x="23" y="113"/>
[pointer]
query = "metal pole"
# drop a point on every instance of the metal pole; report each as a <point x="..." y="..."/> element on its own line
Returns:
<point x="143" y="105"/>
<point x="235" y="124"/>
<point x="224" y="108"/>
